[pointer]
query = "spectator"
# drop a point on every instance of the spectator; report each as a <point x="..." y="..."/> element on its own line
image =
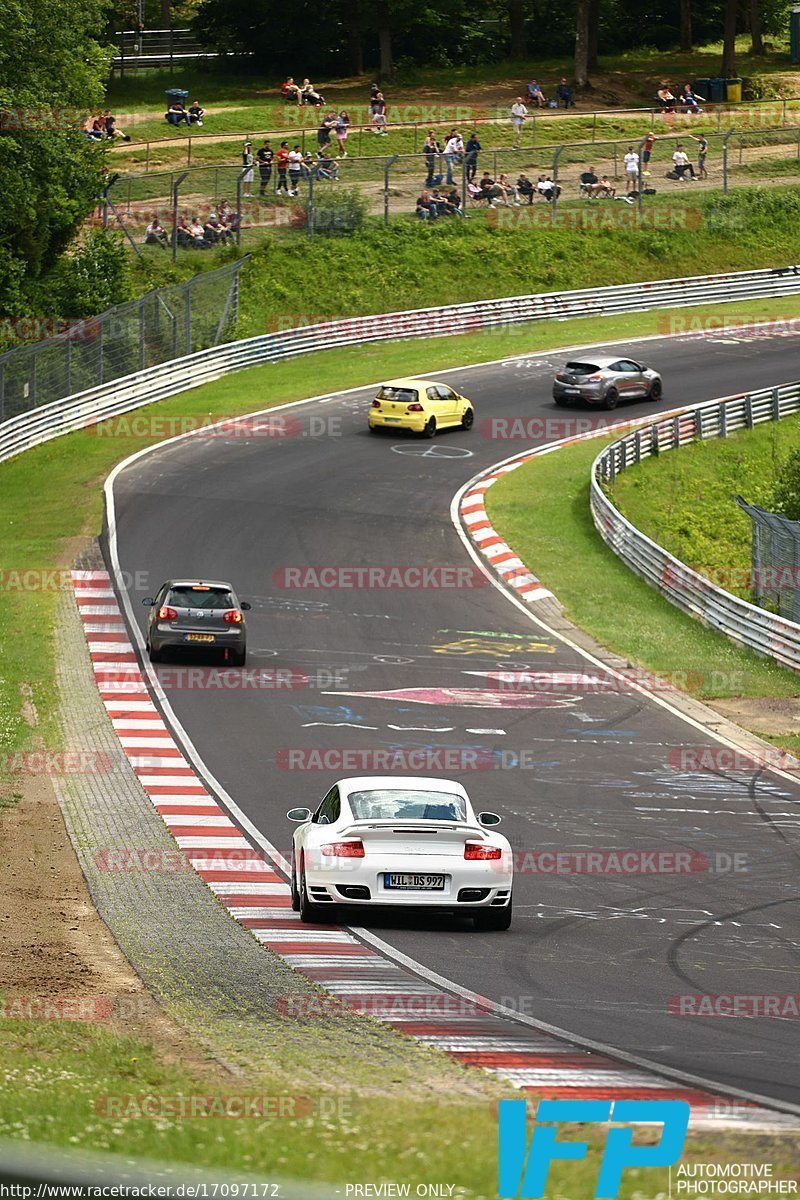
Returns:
<point x="429" y="152"/>
<point x="198" y="238"/>
<point x="690" y="101"/>
<point x="519" y="114"/>
<point x="453" y="154"/>
<point x="111" y="130"/>
<point x="177" y="114"/>
<point x="324" y="131"/>
<point x="310" y="95"/>
<point x="426" y="208"/>
<point x="156" y="234"/>
<point x="196" y="113"/>
<point x="587" y="180"/>
<point x="508" y="193"/>
<point x="378" y="110"/>
<point x="564" y="94"/>
<point x="342" y="128"/>
<point x="681" y="163"/>
<point x="471" y="151"/>
<point x="247" y="167"/>
<point x="535" y="95"/>
<point x="666" y="98"/>
<point x="605" y="187"/>
<point x="374" y="90"/>
<point x="453" y="200"/>
<point x="326" y="167"/>
<point x="486" y="186"/>
<point x="632" y="170"/>
<point x="89" y="131"/>
<point x="295" y="167"/>
<point x="182" y="235"/>
<point x="291" y="92"/>
<point x="647" y="150"/>
<point x="545" y="187"/>
<point x="282" y="162"/>
<point x="702" y="151"/>
<point x="525" y="188"/>
<point x="265" y="157"/>
<point x="228" y="216"/>
<point x="214" y="231"/>
<point x="99" y="128"/>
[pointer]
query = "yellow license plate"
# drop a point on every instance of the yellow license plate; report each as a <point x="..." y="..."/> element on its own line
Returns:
<point x="200" y="637"/>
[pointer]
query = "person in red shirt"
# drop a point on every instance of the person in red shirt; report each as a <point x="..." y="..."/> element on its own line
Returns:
<point x="282" y="162"/>
<point x="647" y="149"/>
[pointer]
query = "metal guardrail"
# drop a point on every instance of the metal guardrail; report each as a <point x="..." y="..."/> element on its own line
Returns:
<point x="156" y="383"/>
<point x="755" y="628"/>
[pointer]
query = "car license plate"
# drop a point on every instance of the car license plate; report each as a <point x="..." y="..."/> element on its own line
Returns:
<point x="200" y="637"/>
<point x="420" y="883"/>
<point x="572" y="391"/>
<point x="394" y="419"/>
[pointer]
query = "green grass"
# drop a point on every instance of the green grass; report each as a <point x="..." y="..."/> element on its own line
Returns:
<point x="685" y="501"/>
<point x="61" y="1079"/>
<point x="542" y="510"/>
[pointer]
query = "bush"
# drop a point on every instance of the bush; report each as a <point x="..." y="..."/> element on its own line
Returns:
<point x="338" y="210"/>
<point x="786" y="489"/>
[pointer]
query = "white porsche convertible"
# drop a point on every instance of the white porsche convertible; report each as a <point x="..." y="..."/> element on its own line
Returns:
<point x="381" y="841"/>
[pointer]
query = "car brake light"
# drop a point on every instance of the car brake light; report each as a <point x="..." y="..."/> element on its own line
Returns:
<point x="481" y="850"/>
<point x="165" y="613"/>
<point x="344" y="849"/>
<point x="415" y="408"/>
<point x="376" y="404"/>
<point x="595" y="378"/>
<point x="232" y="616"/>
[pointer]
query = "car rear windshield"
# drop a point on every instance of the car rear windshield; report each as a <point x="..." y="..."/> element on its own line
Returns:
<point x="399" y="805"/>
<point x="200" y="597"/>
<point x="403" y="395"/>
<point x="582" y="368"/>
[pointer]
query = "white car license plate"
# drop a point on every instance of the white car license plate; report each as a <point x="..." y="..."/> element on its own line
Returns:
<point x="419" y="883"/>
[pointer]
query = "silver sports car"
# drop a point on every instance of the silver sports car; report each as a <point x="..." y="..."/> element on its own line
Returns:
<point x="603" y="380"/>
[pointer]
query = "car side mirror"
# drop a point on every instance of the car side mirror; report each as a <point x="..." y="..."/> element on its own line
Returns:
<point x="489" y="818"/>
<point x="245" y="606"/>
<point x="299" y="814"/>
<point x="148" y="601"/>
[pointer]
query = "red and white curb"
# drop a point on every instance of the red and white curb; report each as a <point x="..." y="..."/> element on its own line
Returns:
<point x="357" y="977"/>
<point x="492" y="546"/>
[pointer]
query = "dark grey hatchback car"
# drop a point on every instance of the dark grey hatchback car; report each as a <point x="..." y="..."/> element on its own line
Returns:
<point x="197" y="613"/>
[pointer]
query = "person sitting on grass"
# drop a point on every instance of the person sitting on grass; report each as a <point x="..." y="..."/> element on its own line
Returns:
<point x="564" y="94"/>
<point x="182" y="235"/>
<point x="525" y="188"/>
<point x="111" y="127"/>
<point x="215" y="231"/>
<point x="177" y="114"/>
<point x="426" y="207"/>
<point x="155" y="234"/>
<point x="535" y="95"/>
<point x="326" y="167"/>
<point x="196" y="113"/>
<point x="197" y="235"/>
<point x="228" y="216"/>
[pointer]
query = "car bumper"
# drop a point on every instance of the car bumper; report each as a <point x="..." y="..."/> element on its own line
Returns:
<point x="467" y="885"/>
<point x="590" y="395"/>
<point x="166" y="638"/>
<point x="415" y="423"/>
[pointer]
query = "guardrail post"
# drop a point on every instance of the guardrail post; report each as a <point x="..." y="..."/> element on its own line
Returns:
<point x="698" y="424"/>
<point x="637" y="446"/>
<point x="776" y="404"/>
<point x="612" y="466"/>
<point x="748" y="411"/>
<point x="676" y="433"/>
<point x="654" y="443"/>
<point x="623" y="456"/>
<point x="387" y="168"/>
<point x="723" y="420"/>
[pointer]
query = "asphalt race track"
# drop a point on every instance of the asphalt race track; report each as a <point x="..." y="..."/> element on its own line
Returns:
<point x="597" y="955"/>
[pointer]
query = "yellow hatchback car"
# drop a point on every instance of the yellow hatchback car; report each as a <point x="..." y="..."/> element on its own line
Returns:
<point x="421" y="405"/>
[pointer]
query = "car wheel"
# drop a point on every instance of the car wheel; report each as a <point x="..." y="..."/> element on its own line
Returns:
<point x="309" y="913"/>
<point x="559" y="401"/>
<point x="155" y="656"/>
<point x="295" y="893"/>
<point x="656" y="389"/>
<point x="430" y="428"/>
<point x="494" y="918"/>
<point x="612" y="398"/>
<point x="238" y="657"/>
<point x="468" y="420"/>
<point x="374" y="428"/>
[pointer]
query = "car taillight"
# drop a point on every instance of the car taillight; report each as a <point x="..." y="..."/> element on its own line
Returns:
<point x="595" y="378"/>
<point x="232" y="616"/>
<point x="344" y="849"/>
<point x="376" y="404"/>
<point x="481" y="850"/>
<point x="165" y="613"/>
<point x="415" y="408"/>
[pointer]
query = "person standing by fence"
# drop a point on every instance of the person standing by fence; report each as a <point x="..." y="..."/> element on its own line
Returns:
<point x="265" y="157"/>
<point x="247" y="166"/>
<point x="282" y="162"/>
<point x="519" y="115"/>
<point x="472" y="149"/>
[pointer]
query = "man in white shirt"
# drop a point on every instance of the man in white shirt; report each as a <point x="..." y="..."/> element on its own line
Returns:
<point x="518" y="114"/>
<point x="453" y="152"/>
<point x="681" y="161"/>
<point x="632" y="169"/>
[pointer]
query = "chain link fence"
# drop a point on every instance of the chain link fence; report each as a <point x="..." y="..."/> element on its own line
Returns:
<point x="775" y="561"/>
<point x="164" y="324"/>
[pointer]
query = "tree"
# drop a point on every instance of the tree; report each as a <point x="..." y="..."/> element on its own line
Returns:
<point x="582" y="44"/>
<point x="686" y="25"/>
<point x="516" y="21"/>
<point x="593" y="35"/>
<point x="729" y="40"/>
<point x="756" y="40"/>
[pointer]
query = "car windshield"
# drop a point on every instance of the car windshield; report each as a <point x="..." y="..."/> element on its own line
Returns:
<point x="582" y="368"/>
<point x="404" y="395"/>
<point x="399" y="804"/>
<point x="200" y="597"/>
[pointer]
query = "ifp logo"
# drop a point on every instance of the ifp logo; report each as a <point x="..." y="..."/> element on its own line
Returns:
<point x="523" y="1170"/>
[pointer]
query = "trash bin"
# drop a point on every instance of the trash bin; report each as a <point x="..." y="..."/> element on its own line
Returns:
<point x="716" y="91"/>
<point x="702" y="88"/>
<point x="733" y="91"/>
<point x="177" y="94"/>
